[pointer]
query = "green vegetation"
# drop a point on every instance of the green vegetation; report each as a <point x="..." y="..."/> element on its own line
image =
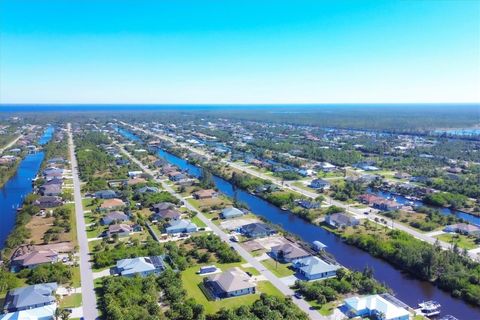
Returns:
<point x="215" y="245"/>
<point x="279" y="269"/>
<point x="449" y="270"/>
<point x="460" y="240"/>
<point x="444" y="199"/>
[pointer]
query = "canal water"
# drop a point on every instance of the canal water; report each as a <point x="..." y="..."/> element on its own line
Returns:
<point x="445" y="211"/>
<point x="18" y="187"/>
<point x="408" y="289"/>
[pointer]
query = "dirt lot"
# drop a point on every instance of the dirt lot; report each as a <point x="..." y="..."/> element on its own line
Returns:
<point x="38" y="226"/>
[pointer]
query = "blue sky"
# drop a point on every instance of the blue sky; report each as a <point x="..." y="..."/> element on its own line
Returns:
<point x="95" y="51"/>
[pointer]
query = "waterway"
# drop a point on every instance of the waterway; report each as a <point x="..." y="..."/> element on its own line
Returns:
<point x="19" y="186"/>
<point x="406" y="288"/>
<point x="445" y="211"/>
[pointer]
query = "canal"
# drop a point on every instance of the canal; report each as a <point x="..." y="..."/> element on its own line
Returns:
<point x="408" y="289"/>
<point x="19" y="186"/>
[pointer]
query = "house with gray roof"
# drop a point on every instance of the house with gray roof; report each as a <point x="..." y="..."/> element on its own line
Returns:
<point x="288" y="252"/>
<point x="51" y="190"/>
<point x="147" y="189"/>
<point x="142" y="266"/>
<point x="314" y="268"/>
<point x="181" y="226"/>
<point x="105" y="194"/>
<point x="233" y="282"/>
<point x="257" y="230"/>
<point x="114" y="216"/>
<point x="168" y="214"/>
<point x="340" y="220"/>
<point x="30" y="297"/>
<point x="162" y="206"/>
<point x="231" y="212"/>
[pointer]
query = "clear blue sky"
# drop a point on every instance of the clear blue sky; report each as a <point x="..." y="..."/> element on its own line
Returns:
<point x="94" y="51"/>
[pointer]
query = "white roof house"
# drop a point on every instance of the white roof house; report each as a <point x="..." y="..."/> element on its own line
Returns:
<point x="376" y="305"/>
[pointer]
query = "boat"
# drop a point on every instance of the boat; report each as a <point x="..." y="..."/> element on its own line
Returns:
<point x="430" y="308"/>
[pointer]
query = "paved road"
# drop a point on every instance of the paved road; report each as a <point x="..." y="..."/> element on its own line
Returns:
<point x="89" y="299"/>
<point x="302" y="304"/>
<point x="11" y="143"/>
<point x="356" y="212"/>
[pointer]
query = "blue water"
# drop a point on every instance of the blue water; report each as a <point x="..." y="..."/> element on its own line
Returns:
<point x="445" y="211"/>
<point x="127" y="134"/>
<point x="408" y="289"/>
<point x="459" y="132"/>
<point x="19" y="186"/>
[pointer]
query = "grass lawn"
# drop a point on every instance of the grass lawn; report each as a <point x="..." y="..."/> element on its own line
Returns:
<point x="191" y="282"/>
<point x="279" y="269"/>
<point x="462" y="241"/>
<point x="198" y="222"/>
<point x="71" y="301"/>
<point x="325" y="309"/>
<point x="95" y="232"/>
<point x="73" y="223"/>
<point x="76" y="277"/>
<point x="88" y="204"/>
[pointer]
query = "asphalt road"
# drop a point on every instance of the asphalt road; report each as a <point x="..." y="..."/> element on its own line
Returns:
<point x="89" y="299"/>
<point x="302" y="304"/>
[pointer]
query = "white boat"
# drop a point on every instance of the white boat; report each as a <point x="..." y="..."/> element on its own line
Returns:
<point x="430" y="308"/>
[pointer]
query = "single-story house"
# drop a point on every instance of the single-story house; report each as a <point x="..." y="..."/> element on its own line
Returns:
<point x="40" y="313"/>
<point x="178" y="177"/>
<point x="181" y="226"/>
<point x="54" y="181"/>
<point x="114" y="216"/>
<point x="230" y="283"/>
<point x="374" y="305"/>
<point x="309" y="204"/>
<point x="112" y="204"/>
<point x="257" y="230"/>
<point x="121" y="229"/>
<point x="162" y="206"/>
<point x="314" y="268"/>
<point x="135" y="181"/>
<point x="166" y="214"/>
<point x="33" y="259"/>
<point x="205" y="194"/>
<point x="122" y="162"/>
<point x="231" y="212"/>
<point x="51" y="190"/>
<point x="142" y="266"/>
<point x="319" y="184"/>
<point x="147" y="189"/>
<point x="463" y="228"/>
<point x="133" y="174"/>
<point x="48" y="202"/>
<point x="30" y="297"/>
<point x="288" y="252"/>
<point x="105" y="194"/>
<point x="339" y="220"/>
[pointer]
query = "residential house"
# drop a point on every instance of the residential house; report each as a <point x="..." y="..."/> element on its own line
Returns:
<point x="231" y="212"/>
<point x="50" y="190"/>
<point x="288" y="252"/>
<point x="314" y="268"/>
<point x="45" y="202"/>
<point x="105" y="194"/>
<point x="135" y="181"/>
<point x="30" y="297"/>
<point x="162" y="206"/>
<point x="114" y="217"/>
<point x="180" y="226"/>
<point x="257" y="230"/>
<point x="121" y="229"/>
<point x="112" y="204"/>
<point x="148" y="189"/>
<point x="308" y="204"/>
<point x="319" y="184"/>
<point x="374" y="306"/>
<point x="463" y="228"/>
<point x="134" y="174"/>
<point x="230" y="283"/>
<point x="142" y="266"/>
<point x="33" y="258"/>
<point x="340" y="220"/>
<point x="54" y="181"/>
<point x="168" y="214"/>
<point x="205" y="194"/>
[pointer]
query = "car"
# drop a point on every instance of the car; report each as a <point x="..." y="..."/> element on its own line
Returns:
<point x="298" y="295"/>
<point x="249" y="273"/>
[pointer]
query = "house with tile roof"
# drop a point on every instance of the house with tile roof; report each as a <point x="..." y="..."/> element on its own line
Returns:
<point x="233" y="282"/>
<point x="33" y="258"/>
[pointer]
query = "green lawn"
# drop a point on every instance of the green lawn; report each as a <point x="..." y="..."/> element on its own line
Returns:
<point x="88" y="204"/>
<point x="462" y="241"/>
<point x="76" y="277"/>
<point x="95" y="232"/>
<point x="71" y="301"/>
<point x="198" y="222"/>
<point x="279" y="269"/>
<point x="191" y="282"/>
